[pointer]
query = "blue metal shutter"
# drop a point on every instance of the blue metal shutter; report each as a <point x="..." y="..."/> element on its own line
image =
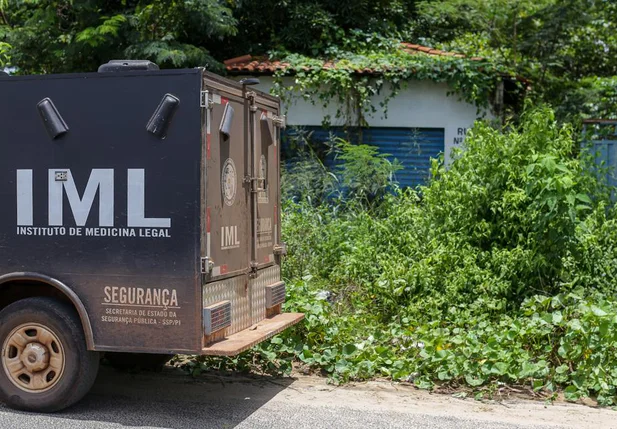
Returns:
<point x="605" y="152"/>
<point x="412" y="147"/>
<point x="316" y="134"/>
<point x="600" y="139"/>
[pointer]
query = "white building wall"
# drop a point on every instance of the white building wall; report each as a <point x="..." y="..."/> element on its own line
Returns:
<point x="423" y="104"/>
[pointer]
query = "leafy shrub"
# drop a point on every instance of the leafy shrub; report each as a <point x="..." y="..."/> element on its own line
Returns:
<point x="501" y="270"/>
<point x="305" y="178"/>
<point x="366" y="175"/>
<point x="360" y="175"/>
<point x="592" y="97"/>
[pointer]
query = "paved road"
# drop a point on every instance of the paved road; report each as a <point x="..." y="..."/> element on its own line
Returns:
<point x="173" y="400"/>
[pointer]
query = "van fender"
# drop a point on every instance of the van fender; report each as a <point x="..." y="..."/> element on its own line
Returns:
<point x="68" y="292"/>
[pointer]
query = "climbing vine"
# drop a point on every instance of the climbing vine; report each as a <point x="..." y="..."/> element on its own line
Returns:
<point x="382" y="66"/>
<point x="4" y="53"/>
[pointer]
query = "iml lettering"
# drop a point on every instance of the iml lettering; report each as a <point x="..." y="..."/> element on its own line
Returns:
<point x="229" y="237"/>
<point x="101" y="183"/>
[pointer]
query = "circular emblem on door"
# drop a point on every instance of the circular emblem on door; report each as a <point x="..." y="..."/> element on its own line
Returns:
<point x="229" y="182"/>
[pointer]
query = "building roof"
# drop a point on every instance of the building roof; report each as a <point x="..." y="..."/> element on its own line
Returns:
<point x="263" y="65"/>
<point x="600" y="121"/>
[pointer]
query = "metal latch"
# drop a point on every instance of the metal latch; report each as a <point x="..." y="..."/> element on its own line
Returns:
<point x="279" y="121"/>
<point x="280" y="249"/>
<point x="254" y="265"/>
<point x="206" y="265"/>
<point x="258" y="184"/>
<point x="251" y="96"/>
<point x="205" y="100"/>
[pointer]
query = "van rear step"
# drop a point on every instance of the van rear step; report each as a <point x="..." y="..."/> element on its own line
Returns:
<point x="244" y="340"/>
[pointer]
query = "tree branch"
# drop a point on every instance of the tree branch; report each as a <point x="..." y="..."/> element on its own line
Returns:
<point x="4" y="18"/>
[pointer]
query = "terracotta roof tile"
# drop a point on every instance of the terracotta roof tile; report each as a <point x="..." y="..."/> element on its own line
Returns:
<point x="412" y="47"/>
<point x="242" y="59"/>
<point x="261" y="65"/>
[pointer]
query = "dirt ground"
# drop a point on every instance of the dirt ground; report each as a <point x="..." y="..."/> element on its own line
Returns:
<point x="387" y="396"/>
<point x="509" y="405"/>
<point x="174" y="400"/>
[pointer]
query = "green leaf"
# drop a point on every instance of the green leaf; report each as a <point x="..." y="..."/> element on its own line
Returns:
<point x="527" y="370"/>
<point x="423" y="383"/>
<point x="575" y="325"/>
<point x="562" y="369"/>
<point x="571" y="393"/>
<point x="530" y="168"/>
<point x="349" y="349"/>
<point x="500" y="368"/>
<point x="443" y="375"/>
<point x="579" y="380"/>
<point x="474" y="381"/>
<point x="584" y="198"/>
<point x="563" y="168"/>
<point x="598" y="311"/>
<point x="342" y="366"/>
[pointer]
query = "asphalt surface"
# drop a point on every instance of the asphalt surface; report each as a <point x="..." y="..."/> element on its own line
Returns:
<point x="174" y="400"/>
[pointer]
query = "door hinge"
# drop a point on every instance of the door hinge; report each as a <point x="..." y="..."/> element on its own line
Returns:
<point x="206" y="265"/>
<point x="279" y="121"/>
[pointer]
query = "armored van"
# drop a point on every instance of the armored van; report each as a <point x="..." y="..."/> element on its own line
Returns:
<point x="140" y="213"/>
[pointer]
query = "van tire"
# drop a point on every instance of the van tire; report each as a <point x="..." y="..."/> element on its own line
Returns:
<point x="55" y="334"/>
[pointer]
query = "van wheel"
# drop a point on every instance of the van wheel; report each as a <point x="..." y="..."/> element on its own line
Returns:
<point x="45" y="364"/>
<point x="136" y="361"/>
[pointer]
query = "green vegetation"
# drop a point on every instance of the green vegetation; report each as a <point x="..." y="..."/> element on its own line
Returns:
<point x="471" y="80"/>
<point x="61" y="36"/>
<point x="500" y="271"/>
<point x="559" y="45"/>
<point x="565" y="48"/>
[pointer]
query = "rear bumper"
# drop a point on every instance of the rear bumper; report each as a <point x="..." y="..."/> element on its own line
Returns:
<point x="247" y="338"/>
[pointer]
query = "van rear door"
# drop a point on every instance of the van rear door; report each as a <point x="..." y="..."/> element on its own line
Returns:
<point x="227" y="228"/>
<point x="266" y="186"/>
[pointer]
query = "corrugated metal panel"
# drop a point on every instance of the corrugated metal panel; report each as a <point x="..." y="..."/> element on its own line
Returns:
<point x="291" y="141"/>
<point x="412" y="147"/>
<point x="605" y="153"/>
<point x="602" y="144"/>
